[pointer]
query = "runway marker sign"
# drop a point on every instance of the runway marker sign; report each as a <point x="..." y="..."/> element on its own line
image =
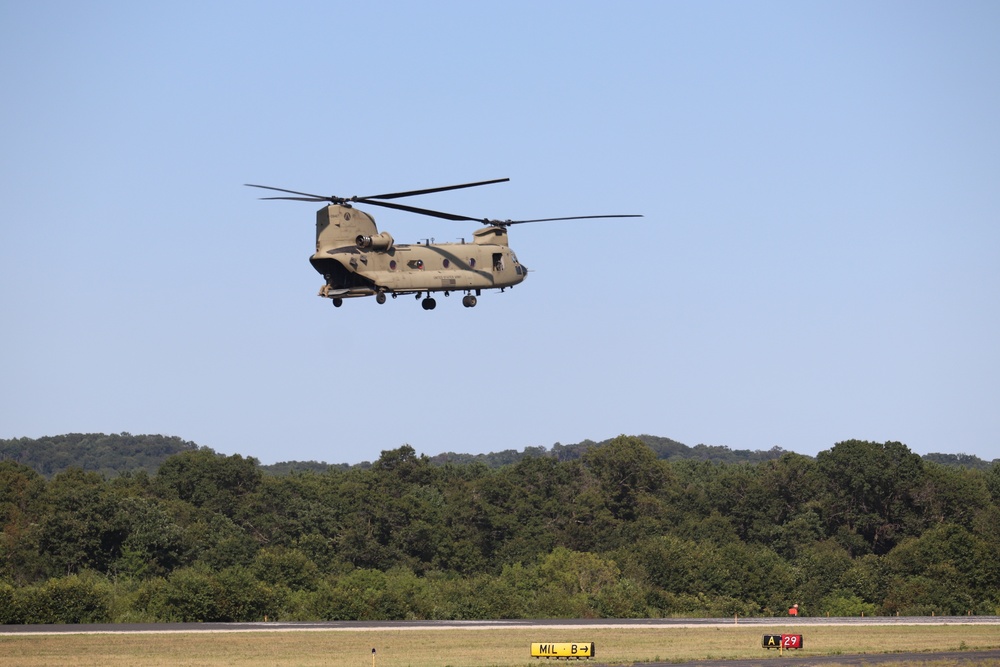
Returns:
<point x="782" y="642"/>
<point x="563" y="650"/>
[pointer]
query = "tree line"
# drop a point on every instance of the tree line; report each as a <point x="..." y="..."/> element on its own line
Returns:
<point x="107" y="454"/>
<point x="114" y="454"/>
<point x="617" y="531"/>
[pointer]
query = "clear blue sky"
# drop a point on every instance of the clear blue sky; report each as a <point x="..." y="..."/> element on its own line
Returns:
<point x="819" y="258"/>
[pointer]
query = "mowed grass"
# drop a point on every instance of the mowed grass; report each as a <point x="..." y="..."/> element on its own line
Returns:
<point x="468" y="647"/>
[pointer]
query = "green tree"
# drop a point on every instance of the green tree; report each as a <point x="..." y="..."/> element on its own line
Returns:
<point x="871" y="489"/>
<point x="669" y="563"/>
<point x="242" y="597"/>
<point x="823" y="567"/>
<point x="21" y="490"/>
<point x="529" y="507"/>
<point x="201" y="595"/>
<point x="752" y="574"/>
<point x="574" y="573"/>
<point x="373" y="595"/>
<point x="285" y="508"/>
<point x="280" y="566"/>
<point x="787" y="500"/>
<point x="842" y="603"/>
<point x="952" y="494"/>
<point x="72" y="599"/>
<point x="627" y="470"/>
<point x="213" y="481"/>
<point x="8" y="614"/>
<point x="81" y="527"/>
<point x="187" y="595"/>
<point x="947" y="569"/>
<point x="153" y="544"/>
<point x="390" y="515"/>
<point x="993" y="481"/>
<point x="868" y="578"/>
<point x="470" y="529"/>
<point x="216" y="541"/>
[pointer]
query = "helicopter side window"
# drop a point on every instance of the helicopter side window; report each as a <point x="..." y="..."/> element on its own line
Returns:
<point x="472" y="262"/>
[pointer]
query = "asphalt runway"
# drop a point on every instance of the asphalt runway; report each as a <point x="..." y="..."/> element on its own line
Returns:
<point x="787" y="623"/>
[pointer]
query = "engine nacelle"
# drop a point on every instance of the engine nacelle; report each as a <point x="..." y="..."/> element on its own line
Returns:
<point x="380" y="243"/>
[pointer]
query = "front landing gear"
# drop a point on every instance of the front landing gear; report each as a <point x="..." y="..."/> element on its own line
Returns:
<point x="428" y="304"/>
<point x="469" y="301"/>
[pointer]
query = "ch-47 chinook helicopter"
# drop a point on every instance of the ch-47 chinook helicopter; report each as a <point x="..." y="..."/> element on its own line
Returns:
<point x="357" y="260"/>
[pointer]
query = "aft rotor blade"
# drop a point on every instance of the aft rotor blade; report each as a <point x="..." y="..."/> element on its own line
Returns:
<point x="574" y="217"/>
<point x="413" y="193"/>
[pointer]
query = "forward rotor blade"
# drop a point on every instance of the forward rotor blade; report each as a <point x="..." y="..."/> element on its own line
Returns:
<point x="422" y="211"/>
<point x="293" y="192"/>
<point x="574" y="217"/>
<point x="413" y="193"/>
<point x="317" y="199"/>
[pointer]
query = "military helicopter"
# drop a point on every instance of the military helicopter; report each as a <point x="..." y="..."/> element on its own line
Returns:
<point x="357" y="260"/>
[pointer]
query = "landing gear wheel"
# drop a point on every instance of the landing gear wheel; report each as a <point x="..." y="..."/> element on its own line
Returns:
<point x="469" y="301"/>
<point x="428" y="303"/>
<point x="337" y="303"/>
<point x="380" y="298"/>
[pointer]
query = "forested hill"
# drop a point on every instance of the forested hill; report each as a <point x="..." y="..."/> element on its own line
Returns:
<point x="114" y="454"/>
<point x="664" y="448"/>
<point x="109" y="455"/>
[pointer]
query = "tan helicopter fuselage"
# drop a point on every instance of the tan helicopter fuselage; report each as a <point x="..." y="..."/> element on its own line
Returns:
<point x="356" y="260"/>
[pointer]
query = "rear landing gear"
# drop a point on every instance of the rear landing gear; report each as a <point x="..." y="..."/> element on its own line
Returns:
<point x="428" y="303"/>
<point x="469" y="301"/>
<point x="380" y="298"/>
<point x="337" y="303"/>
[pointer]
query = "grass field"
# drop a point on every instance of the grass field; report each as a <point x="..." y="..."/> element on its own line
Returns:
<point x="468" y="647"/>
